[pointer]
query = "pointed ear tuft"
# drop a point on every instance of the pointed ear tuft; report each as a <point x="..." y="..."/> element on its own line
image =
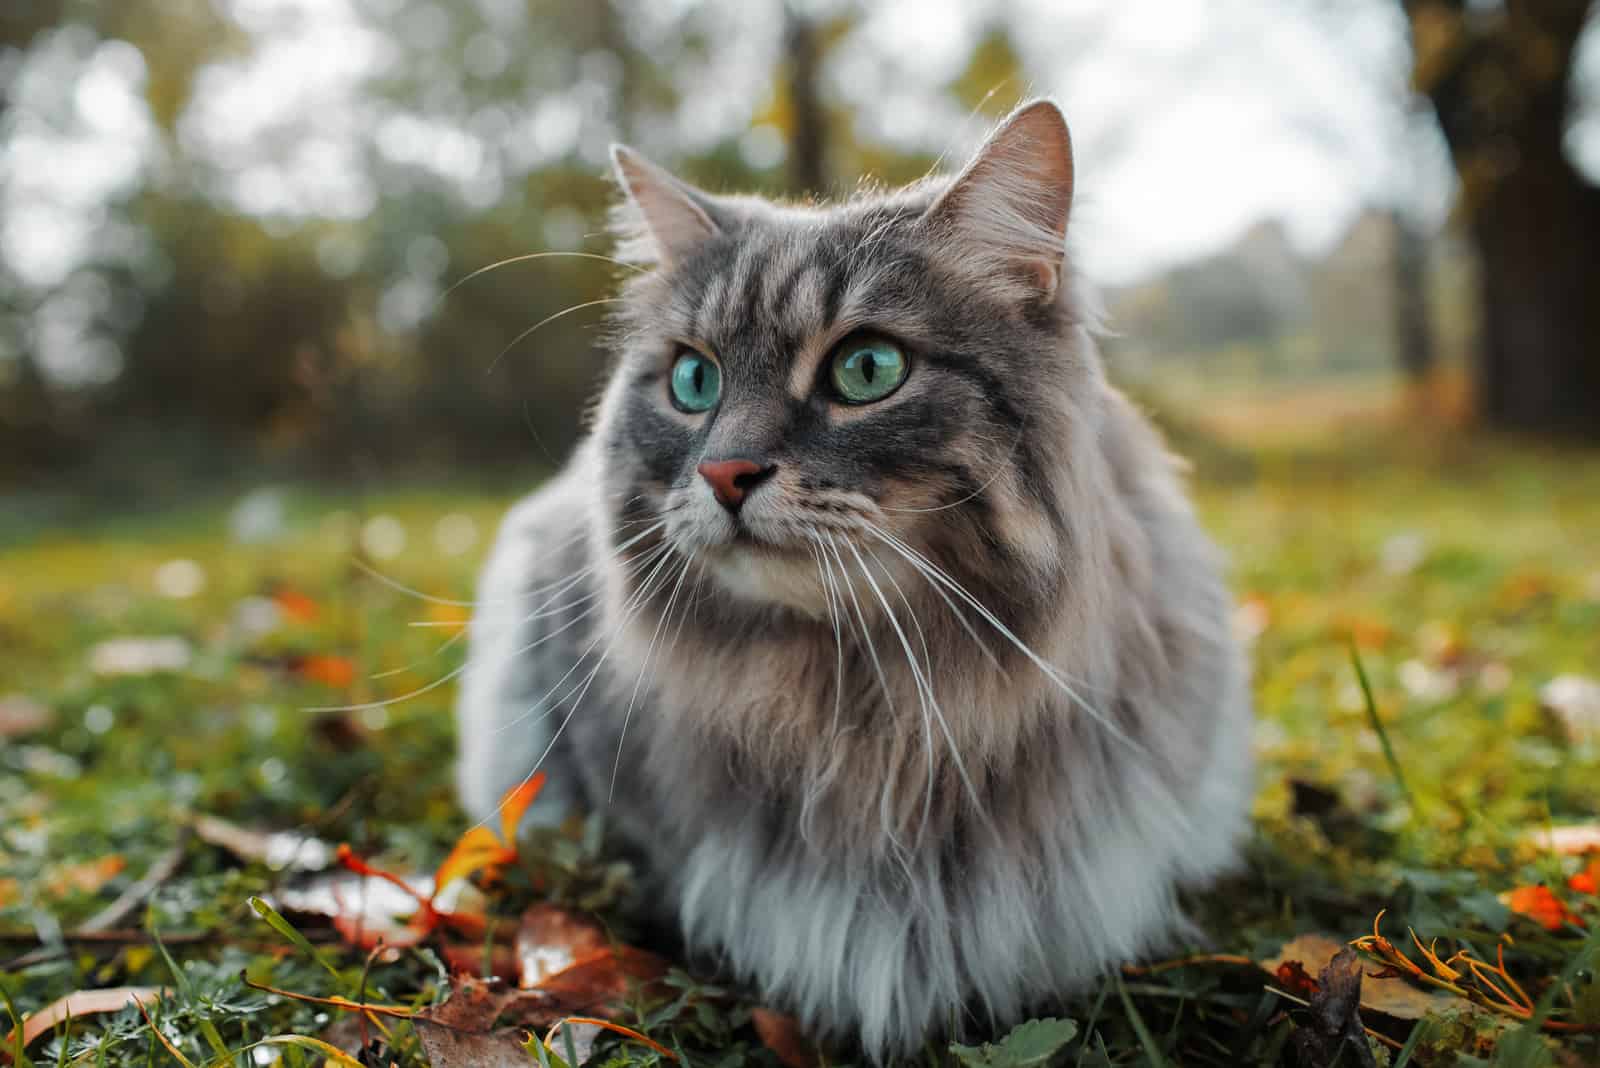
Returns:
<point x="661" y="219"/>
<point x="1008" y="210"/>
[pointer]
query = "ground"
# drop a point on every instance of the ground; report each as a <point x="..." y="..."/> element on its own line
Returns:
<point x="1463" y="573"/>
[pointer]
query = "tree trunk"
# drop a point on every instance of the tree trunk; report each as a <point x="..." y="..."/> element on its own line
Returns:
<point x="1413" y="320"/>
<point x="808" y="164"/>
<point x="1500" y="83"/>
<point x="1538" y="236"/>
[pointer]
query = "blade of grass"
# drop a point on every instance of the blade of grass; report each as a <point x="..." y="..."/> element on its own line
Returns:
<point x="19" y="1059"/>
<point x="1377" y="726"/>
<point x="331" y="1054"/>
<point x="161" y="1037"/>
<point x="1146" y="1039"/>
<point x="287" y="930"/>
<point x="1417" y="1034"/>
<point x="212" y="1036"/>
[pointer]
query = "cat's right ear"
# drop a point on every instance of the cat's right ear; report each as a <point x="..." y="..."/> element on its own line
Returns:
<point x="660" y="219"/>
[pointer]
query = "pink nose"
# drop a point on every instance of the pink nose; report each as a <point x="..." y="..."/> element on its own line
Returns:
<point x="731" y="479"/>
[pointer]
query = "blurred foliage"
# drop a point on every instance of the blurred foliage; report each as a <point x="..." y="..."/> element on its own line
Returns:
<point x="310" y="337"/>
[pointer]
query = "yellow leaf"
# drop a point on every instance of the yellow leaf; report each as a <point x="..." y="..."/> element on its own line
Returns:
<point x="479" y="848"/>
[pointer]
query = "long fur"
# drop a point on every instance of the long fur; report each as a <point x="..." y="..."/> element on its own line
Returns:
<point x="932" y="733"/>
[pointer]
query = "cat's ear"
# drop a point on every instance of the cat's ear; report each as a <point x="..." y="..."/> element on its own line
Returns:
<point x="661" y="219"/>
<point x="1008" y="209"/>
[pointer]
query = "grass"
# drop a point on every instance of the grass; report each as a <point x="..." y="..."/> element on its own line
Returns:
<point x="1465" y="575"/>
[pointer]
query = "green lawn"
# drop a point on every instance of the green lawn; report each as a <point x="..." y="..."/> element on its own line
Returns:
<point x="1468" y="575"/>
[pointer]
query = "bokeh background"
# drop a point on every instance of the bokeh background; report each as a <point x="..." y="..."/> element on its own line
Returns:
<point x="227" y="227"/>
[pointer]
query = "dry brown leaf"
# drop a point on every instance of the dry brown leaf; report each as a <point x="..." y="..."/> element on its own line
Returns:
<point x="1332" y="1032"/>
<point x="781" y="1034"/>
<point x="1391" y="996"/>
<point x="467" y="958"/>
<point x="278" y="850"/>
<point x="552" y="939"/>
<point x="83" y="1003"/>
<point x="461" y="1032"/>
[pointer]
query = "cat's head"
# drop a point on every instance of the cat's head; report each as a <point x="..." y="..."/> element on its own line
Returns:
<point x="902" y="371"/>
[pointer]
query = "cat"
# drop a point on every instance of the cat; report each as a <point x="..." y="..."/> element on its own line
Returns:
<point x="876" y="621"/>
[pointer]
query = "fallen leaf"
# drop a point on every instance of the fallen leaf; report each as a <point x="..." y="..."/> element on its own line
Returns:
<point x="482" y="1024"/>
<point x="1572" y="841"/>
<point x="83" y="1003"/>
<point x="1541" y="906"/>
<point x="1390" y="995"/>
<point x="295" y="605"/>
<point x="551" y="939"/>
<point x="278" y="850"/>
<point x="479" y="848"/>
<point x="336" y="672"/>
<point x="86" y="877"/>
<point x="468" y="958"/>
<point x="1333" y="1033"/>
<point x="1294" y="978"/>
<point x="21" y="714"/>
<point x="602" y="983"/>
<point x="140" y="656"/>
<point x="1587" y="881"/>
<point x="781" y="1034"/>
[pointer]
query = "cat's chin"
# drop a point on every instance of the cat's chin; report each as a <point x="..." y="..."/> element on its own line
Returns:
<point x="766" y="574"/>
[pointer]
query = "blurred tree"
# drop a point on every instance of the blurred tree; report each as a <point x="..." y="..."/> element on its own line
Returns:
<point x="802" y="54"/>
<point x="1499" y="77"/>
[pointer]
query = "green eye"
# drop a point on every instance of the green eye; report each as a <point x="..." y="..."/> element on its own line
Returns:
<point x="867" y="369"/>
<point x="696" y="383"/>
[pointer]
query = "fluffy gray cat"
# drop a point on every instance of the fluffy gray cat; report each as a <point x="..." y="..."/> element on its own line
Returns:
<point x="876" y="621"/>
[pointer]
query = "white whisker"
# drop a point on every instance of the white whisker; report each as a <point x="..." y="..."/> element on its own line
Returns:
<point x="644" y="667"/>
<point x="1050" y="671"/>
<point x="547" y="319"/>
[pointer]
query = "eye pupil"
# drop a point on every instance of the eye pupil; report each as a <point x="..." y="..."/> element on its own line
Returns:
<point x="867" y="372"/>
<point x="695" y="383"/>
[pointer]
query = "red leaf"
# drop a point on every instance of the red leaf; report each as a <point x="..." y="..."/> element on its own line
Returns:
<point x="1292" y="976"/>
<point x="1541" y="906"/>
<point x="1587" y="881"/>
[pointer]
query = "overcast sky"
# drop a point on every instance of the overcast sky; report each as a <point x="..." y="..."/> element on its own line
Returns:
<point x="1193" y="119"/>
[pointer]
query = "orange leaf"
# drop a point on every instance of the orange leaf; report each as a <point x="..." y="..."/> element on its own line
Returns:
<point x="79" y="1004"/>
<point x="1587" y="881"/>
<point x="783" y="1036"/>
<point x="296" y="605"/>
<point x="334" y="671"/>
<point x="1294" y="978"/>
<point x="478" y="849"/>
<point x="515" y="804"/>
<point x="87" y="877"/>
<point x="1538" y="904"/>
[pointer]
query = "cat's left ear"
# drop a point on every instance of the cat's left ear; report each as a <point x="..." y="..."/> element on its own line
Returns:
<point x="662" y="219"/>
<point x="1008" y="209"/>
